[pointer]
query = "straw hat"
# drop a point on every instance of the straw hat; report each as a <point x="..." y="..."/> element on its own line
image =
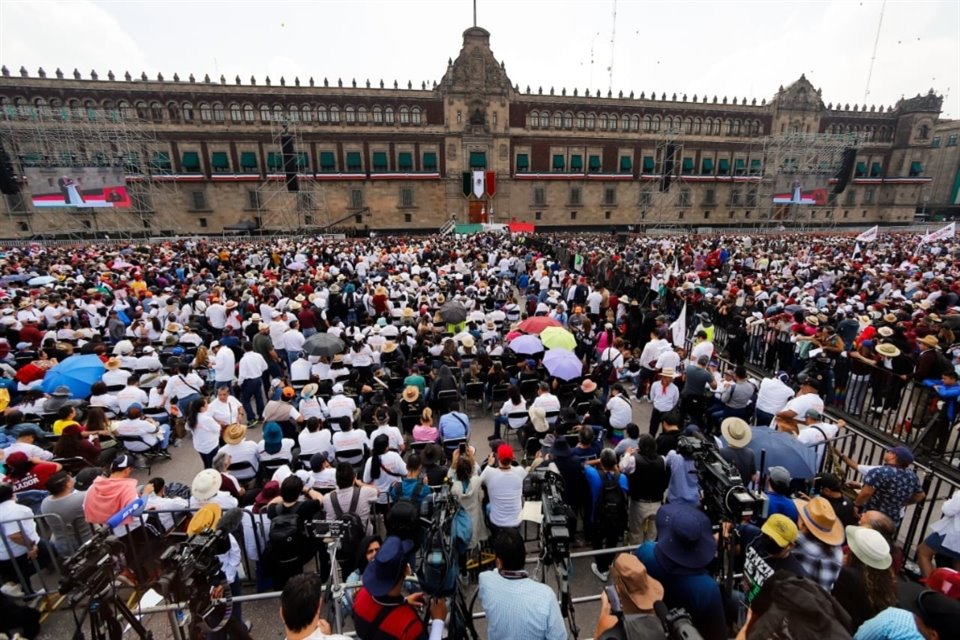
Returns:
<point x="813" y="321"/>
<point x="890" y="318"/>
<point x="411" y="394"/>
<point x="231" y="304"/>
<point x="468" y="342"/>
<point x="885" y="332"/>
<point x="205" y="519"/>
<point x="173" y="327"/>
<point x="821" y="520"/>
<point x="588" y="386"/>
<point x="668" y="372"/>
<point x="870" y="547"/>
<point x="736" y="432"/>
<point x="309" y="390"/>
<point x="930" y="340"/>
<point x="388" y="347"/>
<point x="887" y="350"/>
<point x="234" y="433"/>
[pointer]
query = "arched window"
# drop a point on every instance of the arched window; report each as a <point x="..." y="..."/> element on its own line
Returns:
<point x="736" y="128"/>
<point x="322" y="115"/>
<point x="581" y="121"/>
<point x="604" y="122"/>
<point x="335" y="115"/>
<point x="634" y="122"/>
<point x="362" y="115"/>
<point x="388" y="115"/>
<point x="533" y="119"/>
<point x="248" y="112"/>
<point x="206" y="113"/>
<point x="349" y="115"/>
<point x="306" y="113"/>
<point x="557" y="120"/>
<point x="688" y="125"/>
<point x="591" y="121"/>
<point x="647" y="123"/>
<point x="923" y="132"/>
<point x="236" y="113"/>
<point x="42" y="107"/>
<point x="417" y="115"/>
<point x="173" y="111"/>
<point x="567" y="120"/>
<point x="217" y="112"/>
<point x="715" y="130"/>
<point x="156" y="110"/>
<point x="294" y="113"/>
<point x="544" y="119"/>
<point x="265" y="113"/>
<point x="614" y="122"/>
<point x="655" y="124"/>
<point x="278" y="113"/>
<point x="186" y="110"/>
<point x="697" y="126"/>
<point x="142" y="112"/>
<point x="404" y="115"/>
<point x="377" y="115"/>
<point x="668" y="123"/>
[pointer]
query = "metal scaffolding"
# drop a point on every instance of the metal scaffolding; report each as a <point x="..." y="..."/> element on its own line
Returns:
<point x="805" y="160"/>
<point x="660" y="203"/>
<point x="106" y="139"/>
<point x="279" y="208"/>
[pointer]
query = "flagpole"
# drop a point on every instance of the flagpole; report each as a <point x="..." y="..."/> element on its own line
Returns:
<point x="474" y="12"/>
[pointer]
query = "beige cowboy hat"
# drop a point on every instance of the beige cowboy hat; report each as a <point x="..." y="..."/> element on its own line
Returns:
<point x="887" y="350"/>
<point x="467" y="341"/>
<point x="113" y="364"/>
<point x="930" y="340"/>
<point x="388" y="347"/>
<point x="886" y="332"/>
<point x="813" y="321"/>
<point x="231" y="304"/>
<point x="668" y="372"/>
<point x="736" y="432"/>
<point x="234" y="433"/>
<point x="411" y="394"/>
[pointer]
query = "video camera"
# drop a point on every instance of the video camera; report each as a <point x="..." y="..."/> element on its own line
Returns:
<point x="323" y="529"/>
<point x="724" y="495"/>
<point x="93" y="565"/>
<point x="547" y="486"/>
<point x="192" y="568"/>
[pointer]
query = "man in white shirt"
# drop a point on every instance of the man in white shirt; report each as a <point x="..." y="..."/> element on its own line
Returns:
<point x="149" y="361"/>
<point x="773" y="397"/>
<point x="817" y="431"/>
<point x="347" y="486"/>
<point x="664" y="396"/>
<point x="225" y="409"/>
<point x="114" y="376"/>
<point x="150" y="432"/>
<point x="27" y="435"/>
<point x="250" y="377"/>
<point x="292" y="341"/>
<point x="546" y="400"/>
<point x="224" y="365"/>
<point x="619" y="408"/>
<point x="703" y="347"/>
<point x="668" y="359"/>
<point x="791" y="417"/>
<point x="504" y="485"/>
<point x="300" y="369"/>
<point x="340" y="406"/>
<point x="132" y="393"/>
<point x="216" y="314"/>
<point x="593" y="304"/>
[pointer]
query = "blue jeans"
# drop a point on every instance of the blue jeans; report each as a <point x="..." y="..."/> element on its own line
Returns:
<point x="183" y="403"/>
<point x="252" y="388"/>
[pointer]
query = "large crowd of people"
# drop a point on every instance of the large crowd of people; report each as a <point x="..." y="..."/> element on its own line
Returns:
<point x="346" y="379"/>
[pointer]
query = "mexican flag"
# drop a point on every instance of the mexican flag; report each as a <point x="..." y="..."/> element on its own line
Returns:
<point x="479" y="183"/>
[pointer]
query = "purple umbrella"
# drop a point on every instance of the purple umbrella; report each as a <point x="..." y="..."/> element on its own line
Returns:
<point x="563" y="364"/>
<point x="527" y="345"/>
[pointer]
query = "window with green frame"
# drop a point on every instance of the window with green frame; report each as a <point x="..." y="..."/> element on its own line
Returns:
<point x="648" y="164"/>
<point x="739" y="167"/>
<point x="220" y="162"/>
<point x="190" y="162"/>
<point x="248" y="161"/>
<point x="429" y="161"/>
<point x="354" y="161"/>
<point x="756" y="167"/>
<point x="706" y="167"/>
<point x="576" y="162"/>
<point x="274" y="162"/>
<point x="861" y="170"/>
<point x="687" y="166"/>
<point x="478" y="159"/>
<point x="558" y="162"/>
<point x="523" y="162"/>
<point x="160" y="162"/>
<point x="379" y="161"/>
<point x="626" y="164"/>
<point x="876" y="169"/>
<point x="405" y="161"/>
<point x="594" y="165"/>
<point x="916" y="169"/>
<point x="328" y="161"/>
<point x="723" y="167"/>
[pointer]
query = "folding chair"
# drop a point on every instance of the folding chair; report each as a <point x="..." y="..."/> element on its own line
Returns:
<point x="244" y="471"/>
<point x="142" y="451"/>
<point x="269" y="467"/>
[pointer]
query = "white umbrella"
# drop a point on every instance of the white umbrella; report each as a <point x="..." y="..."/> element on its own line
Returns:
<point x="39" y="281"/>
<point x="296" y="266"/>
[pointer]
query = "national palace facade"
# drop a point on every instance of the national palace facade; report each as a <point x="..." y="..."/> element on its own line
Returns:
<point x="201" y="154"/>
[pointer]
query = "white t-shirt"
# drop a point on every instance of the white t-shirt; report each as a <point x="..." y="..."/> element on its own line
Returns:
<point x="704" y="348"/>
<point x="285" y="453"/>
<point x="621" y="413"/>
<point x="393" y="433"/>
<point x="810" y="436"/>
<point x="252" y="366"/>
<point x="668" y="359"/>
<point x="224" y="364"/>
<point x="354" y="439"/>
<point x="392" y="469"/>
<point x="243" y="451"/>
<point x="773" y="396"/>
<point x="801" y="404"/>
<point x="318" y="441"/>
<point x="30" y="450"/>
<point x="313" y="407"/>
<point x="206" y="435"/>
<point x="130" y="395"/>
<point x="225" y="412"/>
<point x="505" y="489"/>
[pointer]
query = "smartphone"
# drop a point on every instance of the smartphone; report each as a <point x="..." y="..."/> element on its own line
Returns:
<point x="463" y="448"/>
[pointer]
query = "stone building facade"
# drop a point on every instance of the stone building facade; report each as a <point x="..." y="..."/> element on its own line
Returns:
<point x="394" y="158"/>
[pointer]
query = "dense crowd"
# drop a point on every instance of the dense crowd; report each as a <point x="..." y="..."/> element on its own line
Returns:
<point x="321" y="379"/>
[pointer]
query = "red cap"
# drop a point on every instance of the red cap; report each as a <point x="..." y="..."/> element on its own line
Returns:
<point x="946" y="581"/>
<point x="505" y="453"/>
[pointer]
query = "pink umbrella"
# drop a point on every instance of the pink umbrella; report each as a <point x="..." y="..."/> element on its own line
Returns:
<point x="537" y="324"/>
<point x="514" y="334"/>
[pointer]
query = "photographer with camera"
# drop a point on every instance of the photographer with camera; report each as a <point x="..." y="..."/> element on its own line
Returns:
<point x="516" y="605"/>
<point x="301" y="604"/>
<point x="380" y="612"/>
<point x="626" y="607"/>
<point x="608" y="492"/>
<point x="683" y="486"/>
<point x="679" y="560"/>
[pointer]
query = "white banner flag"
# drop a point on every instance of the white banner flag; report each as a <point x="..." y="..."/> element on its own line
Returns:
<point x="856" y="251"/>
<point x="869" y="235"/>
<point x="941" y="234"/>
<point x="478" y="184"/>
<point x="679" y="328"/>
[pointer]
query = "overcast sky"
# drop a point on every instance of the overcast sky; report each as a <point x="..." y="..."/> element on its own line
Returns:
<point x="743" y="49"/>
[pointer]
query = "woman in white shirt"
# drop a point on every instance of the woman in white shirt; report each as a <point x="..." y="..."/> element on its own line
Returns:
<point x="100" y="398"/>
<point x="274" y="446"/>
<point x="384" y="468"/>
<point x="205" y="430"/>
<point x="310" y="405"/>
<point x="225" y="409"/>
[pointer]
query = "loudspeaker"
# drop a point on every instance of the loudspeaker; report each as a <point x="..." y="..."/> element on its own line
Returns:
<point x="667" y="174"/>
<point x="290" y="166"/>
<point x="846" y="169"/>
<point x="8" y="179"/>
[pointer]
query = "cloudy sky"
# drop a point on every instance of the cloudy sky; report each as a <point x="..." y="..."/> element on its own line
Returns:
<point x="744" y="49"/>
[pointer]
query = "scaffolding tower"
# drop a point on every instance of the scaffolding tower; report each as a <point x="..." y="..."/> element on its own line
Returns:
<point x="808" y="161"/>
<point x="661" y="200"/>
<point x="278" y="208"/>
<point x="106" y="139"/>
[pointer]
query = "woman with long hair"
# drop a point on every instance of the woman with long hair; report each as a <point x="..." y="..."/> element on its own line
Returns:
<point x="867" y="583"/>
<point x="467" y="488"/>
<point x="384" y="468"/>
<point x="205" y="430"/>
<point x="73" y="444"/>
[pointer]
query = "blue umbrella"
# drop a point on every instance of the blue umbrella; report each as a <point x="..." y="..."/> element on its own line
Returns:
<point x="563" y="364"/>
<point x="783" y="450"/>
<point x="76" y="372"/>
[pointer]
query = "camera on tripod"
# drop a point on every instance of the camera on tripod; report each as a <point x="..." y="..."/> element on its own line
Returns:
<point x="547" y="486"/>
<point x="324" y="529"/>
<point x="93" y="565"/>
<point x="724" y="495"/>
<point x="190" y="569"/>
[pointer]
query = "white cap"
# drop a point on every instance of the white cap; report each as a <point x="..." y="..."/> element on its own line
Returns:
<point x="338" y="388"/>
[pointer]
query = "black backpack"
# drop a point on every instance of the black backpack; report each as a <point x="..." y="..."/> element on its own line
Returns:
<point x="286" y="539"/>
<point x="612" y="510"/>
<point x="350" y="524"/>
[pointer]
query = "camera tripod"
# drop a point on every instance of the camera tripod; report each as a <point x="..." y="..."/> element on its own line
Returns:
<point x="101" y="610"/>
<point x="333" y="590"/>
<point x="562" y="566"/>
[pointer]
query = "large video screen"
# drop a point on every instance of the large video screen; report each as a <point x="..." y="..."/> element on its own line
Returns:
<point x="77" y="187"/>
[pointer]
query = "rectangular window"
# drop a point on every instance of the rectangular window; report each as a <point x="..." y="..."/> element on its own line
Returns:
<point x="706" y="215"/>
<point x="305" y="201"/>
<point x="219" y="162"/>
<point x="308" y="220"/>
<point x="356" y="198"/>
<point x="405" y="161"/>
<point x="198" y="200"/>
<point x="539" y="196"/>
<point x="430" y="161"/>
<point x="576" y="162"/>
<point x="538" y="215"/>
<point x="408" y="217"/>
<point x="406" y="197"/>
<point x="478" y="159"/>
<point x="935" y="143"/>
<point x="952" y="140"/>
<point x="648" y="164"/>
<point x="626" y="164"/>
<point x="575" y="196"/>
<point x="253" y="199"/>
<point x="916" y="169"/>
<point x="683" y="199"/>
<point x="160" y="162"/>
<point x="609" y="196"/>
<point x="687" y="166"/>
<point x="380" y="161"/>
<point x="876" y="169"/>
<point x="248" y="161"/>
<point x="739" y="167"/>
<point x="756" y="167"/>
<point x="303" y="161"/>
<point x="202" y="222"/>
<point x="710" y="197"/>
<point x="593" y="164"/>
<point x="868" y="196"/>
<point x="607" y="215"/>
<point x="723" y="167"/>
<point x="523" y="163"/>
<point x="558" y="162"/>
<point x="707" y="167"/>
<point x="850" y="198"/>
<point x="274" y="162"/>
<point x="751" y="197"/>
<point x="646" y="197"/>
<point x="354" y="162"/>
<point x="190" y="162"/>
<point x="573" y="215"/>
<point x="735" y="197"/>
<point x="328" y="161"/>
<point x="861" y="170"/>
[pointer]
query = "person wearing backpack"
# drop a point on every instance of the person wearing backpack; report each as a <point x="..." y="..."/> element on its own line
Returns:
<point x="407" y="498"/>
<point x="350" y="503"/>
<point x="608" y="489"/>
<point x="288" y="547"/>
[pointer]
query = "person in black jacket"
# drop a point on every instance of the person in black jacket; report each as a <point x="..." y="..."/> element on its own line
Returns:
<point x="647" y="478"/>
